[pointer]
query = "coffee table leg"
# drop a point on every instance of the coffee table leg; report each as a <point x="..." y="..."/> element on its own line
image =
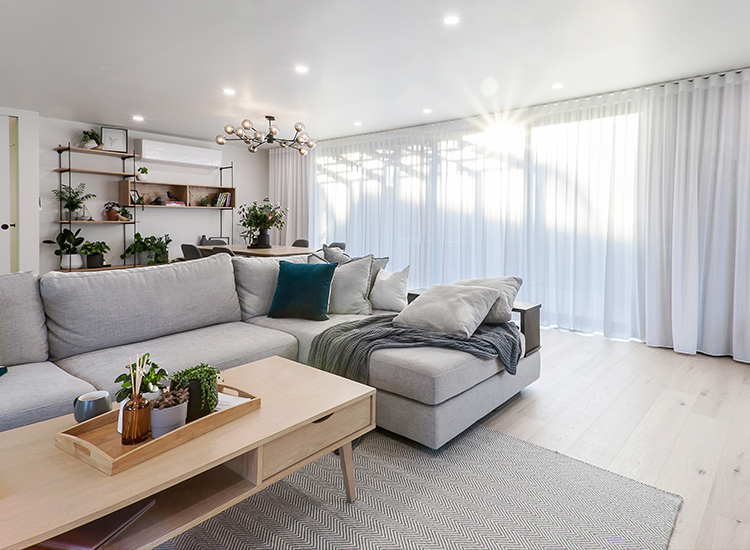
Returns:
<point x="347" y="468"/>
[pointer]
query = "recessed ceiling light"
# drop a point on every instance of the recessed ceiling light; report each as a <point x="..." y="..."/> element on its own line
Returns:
<point x="557" y="86"/>
<point x="229" y="91"/>
<point x="451" y="20"/>
<point x="427" y="111"/>
<point x="138" y="118"/>
<point x="357" y="123"/>
<point x="301" y="69"/>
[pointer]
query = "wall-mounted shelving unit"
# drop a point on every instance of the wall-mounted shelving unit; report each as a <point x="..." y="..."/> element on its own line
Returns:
<point x="65" y="172"/>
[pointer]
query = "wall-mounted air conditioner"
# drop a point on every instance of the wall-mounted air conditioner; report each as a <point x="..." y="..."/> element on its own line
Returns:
<point x="159" y="151"/>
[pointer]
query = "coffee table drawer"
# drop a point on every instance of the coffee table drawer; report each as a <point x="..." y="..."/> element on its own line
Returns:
<point x="315" y="436"/>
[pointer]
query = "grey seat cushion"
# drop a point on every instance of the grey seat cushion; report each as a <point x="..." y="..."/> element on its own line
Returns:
<point x="223" y="346"/>
<point x="304" y="330"/>
<point x="98" y="310"/>
<point x="33" y="392"/>
<point x="429" y="375"/>
<point x="23" y="332"/>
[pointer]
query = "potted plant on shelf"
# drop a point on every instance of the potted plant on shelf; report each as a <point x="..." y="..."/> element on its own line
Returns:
<point x="137" y="248"/>
<point x="67" y="248"/>
<point x="158" y="248"/>
<point x="169" y="411"/>
<point x="124" y="215"/>
<point x="91" y="139"/>
<point x="142" y="173"/>
<point x="72" y="199"/>
<point x="201" y="381"/>
<point x="261" y="217"/>
<point x="112" y="210"/>
<point x="94" y="253"/>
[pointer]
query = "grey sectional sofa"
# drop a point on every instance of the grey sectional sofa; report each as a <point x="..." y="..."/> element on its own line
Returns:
<point x="64" y="334"/>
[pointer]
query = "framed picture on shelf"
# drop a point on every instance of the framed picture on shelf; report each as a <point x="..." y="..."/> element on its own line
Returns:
<point x="135" y="196"/>
<point x="115" y="139"/>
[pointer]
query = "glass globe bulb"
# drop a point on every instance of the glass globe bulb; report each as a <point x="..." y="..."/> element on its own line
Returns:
<point x="246" y="124"/>
<point x="273" y="129"/>
<point x="221" y="140"/>
<point x="240" y="131"/>
<point x="283" y="144"/>
<point x="229" y="129"/>
<point x="299" y="126"/>
<point x="303" y="152"/>
<point x="252" y="148"/>
<point x="302" y="138"/>
<point x="258" y="136"/>
<point x="311" y="144"/>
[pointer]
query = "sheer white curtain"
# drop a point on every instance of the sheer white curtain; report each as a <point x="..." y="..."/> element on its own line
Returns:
<point x="626" y="213"/>
<point x="290" y="179"/>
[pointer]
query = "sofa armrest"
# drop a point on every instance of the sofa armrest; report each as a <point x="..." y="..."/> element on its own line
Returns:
<point x="530" y="324"/>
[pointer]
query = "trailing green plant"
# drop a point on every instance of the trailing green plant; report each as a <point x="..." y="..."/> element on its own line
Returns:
<point x="73" y="199"/>
<point x="112" y="206"/>
<point x="143" y="170"/>
<point x="208" y="377"/>
<point x="151" y="381"/>
<point x="68" y="242"/>
<point x="92" y="134"/>
<point x="97" y="247"/>
<point x="171" y="398"/>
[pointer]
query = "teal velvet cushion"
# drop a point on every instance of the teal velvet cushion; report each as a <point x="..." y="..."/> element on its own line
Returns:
<point x="3" y="370"/>
<point x="302" y="291"/>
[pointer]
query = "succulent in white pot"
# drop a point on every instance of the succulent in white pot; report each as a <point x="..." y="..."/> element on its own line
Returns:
<point x="169" y="411"/>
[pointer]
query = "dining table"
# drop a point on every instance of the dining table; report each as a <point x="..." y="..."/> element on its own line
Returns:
<point x="274" y="251"/>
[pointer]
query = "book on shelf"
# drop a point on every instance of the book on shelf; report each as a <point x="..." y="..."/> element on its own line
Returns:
<point x="223" y="199"/>
<point x="174" y="203"/>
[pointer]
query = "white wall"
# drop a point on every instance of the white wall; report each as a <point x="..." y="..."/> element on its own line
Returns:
<point x="183" y="225"/>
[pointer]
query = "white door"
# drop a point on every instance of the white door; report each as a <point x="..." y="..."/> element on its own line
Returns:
<point x="7" y="226"/>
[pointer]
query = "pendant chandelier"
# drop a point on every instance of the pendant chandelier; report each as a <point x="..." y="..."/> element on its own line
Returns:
<point x="255" y="138"/>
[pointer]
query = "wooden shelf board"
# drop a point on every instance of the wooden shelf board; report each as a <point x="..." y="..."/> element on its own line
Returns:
<point x="85" y="151"/>
<point x="96" y="172"/>
<point x="97" y="222"/>
<point x="181" y="207"/>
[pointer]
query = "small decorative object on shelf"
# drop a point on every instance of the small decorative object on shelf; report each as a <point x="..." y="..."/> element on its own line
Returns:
<point x="136" y="414"/>
<point x="112" y="210"/>
<point x="67" y="248"/>
<point x="124" y="215"/>
<point x="142" y="174"/>
<point x="260" y="217"/>
<point x="169" y="411"/>
<point x="91" y="139"/>
<point x="201" y="381"/>
<point x="94" y="253"/>
<point x="72" y="199"/>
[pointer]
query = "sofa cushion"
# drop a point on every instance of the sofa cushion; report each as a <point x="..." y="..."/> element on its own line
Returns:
<point x="508" y="288"/>
<point x="302" y="291"/>
<point x="223" y="346"/>
<point x="303" y="330"/>
<point x="452" y="309"/>
<point x="23" y="332"/>
<point x="390" y="290"/>
<point x="256" y="280"/>
<point x="335" y="254"/>
<point x="429" y="375"/>
<point x="97" y="310"/>
<point x="350" y="287"/>
<point x="33" y="392"/>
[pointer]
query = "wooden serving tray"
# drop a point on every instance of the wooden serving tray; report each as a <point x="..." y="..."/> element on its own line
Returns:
<point x="97" y="442"/>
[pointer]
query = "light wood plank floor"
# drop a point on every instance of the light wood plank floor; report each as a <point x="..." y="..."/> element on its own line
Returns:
<point x="678" y="422"/>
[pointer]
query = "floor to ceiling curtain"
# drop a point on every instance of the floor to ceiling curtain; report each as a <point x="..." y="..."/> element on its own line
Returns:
<point x="290" y="179"/>
<point x="626" y="213"/>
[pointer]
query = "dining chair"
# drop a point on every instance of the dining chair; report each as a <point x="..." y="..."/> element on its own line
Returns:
<point x="340" y="245"/>
<point x="190" y="251"/>
<point x="222" y="250"/>
<point x="304" y="243"/>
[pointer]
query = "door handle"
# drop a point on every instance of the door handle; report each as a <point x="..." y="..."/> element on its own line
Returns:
<point x="7" y="226"/>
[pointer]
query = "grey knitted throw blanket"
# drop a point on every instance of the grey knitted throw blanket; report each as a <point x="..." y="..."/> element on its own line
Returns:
<point x="345" y="349"/>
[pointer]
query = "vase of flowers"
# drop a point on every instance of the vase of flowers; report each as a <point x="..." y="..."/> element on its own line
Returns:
<point x="260" y="218"/>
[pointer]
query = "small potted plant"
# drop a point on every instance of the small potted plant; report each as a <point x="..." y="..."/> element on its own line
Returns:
<point x="67" y="248"/>
<point x="152" y="382"/>
<point x="138" y="248"/>
<point x="201" y="381"/>
<point x="94" y="253"/>
<point x="91" y="139"/>
<point x="112" y="209"/>
<point x="124" y="215"/>
<point x="262" y="217"/>
<point x="169" y="411"/>
<point x="72" y="199"/>
<point x="158" y="248"/>
<point x="142" y="174"/>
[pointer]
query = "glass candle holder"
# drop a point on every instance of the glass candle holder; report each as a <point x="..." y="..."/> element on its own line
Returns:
<point x="136" y="420"/>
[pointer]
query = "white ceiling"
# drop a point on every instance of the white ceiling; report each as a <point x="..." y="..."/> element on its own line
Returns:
<point x="380" y="62"/>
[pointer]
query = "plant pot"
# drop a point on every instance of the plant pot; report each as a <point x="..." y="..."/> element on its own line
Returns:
<point x="142" y="258"/>
<point x="90" y="144"/>
<point x="112" y="215"/>
<point x="94" y="260"/>
<point x="263" y="240"/>
<point x="71" y="261"/>
<point x="195" y="409"/>
<point x="67" y="215"/>
<point x="165" y="420"/>
<point x="141" y="177"/>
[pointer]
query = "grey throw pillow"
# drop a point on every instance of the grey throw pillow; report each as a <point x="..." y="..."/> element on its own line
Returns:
<point x="335" y="254"/>
<point x="350" y="287"/>
<point x="449" y="308"/>
<point x="508" y="288"/>
<point x="256" y="280"/>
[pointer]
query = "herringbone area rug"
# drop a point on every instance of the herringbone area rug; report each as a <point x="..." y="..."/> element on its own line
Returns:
<point x="484" y="490"/>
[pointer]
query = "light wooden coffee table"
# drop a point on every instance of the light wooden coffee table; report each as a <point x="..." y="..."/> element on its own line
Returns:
<point x="305" y="413"/>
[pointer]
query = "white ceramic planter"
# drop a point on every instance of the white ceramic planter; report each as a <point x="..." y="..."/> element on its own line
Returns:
<point x="71" y="261"/>
<point x="165" y="420"/>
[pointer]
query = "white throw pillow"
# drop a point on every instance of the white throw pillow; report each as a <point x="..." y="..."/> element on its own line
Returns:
<point x="449" y="308"/>
<point x="508" y="288"/>
<point x="390" y="290"/>
<point x="350" y="286"/>
<point x="256" y="280"/>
